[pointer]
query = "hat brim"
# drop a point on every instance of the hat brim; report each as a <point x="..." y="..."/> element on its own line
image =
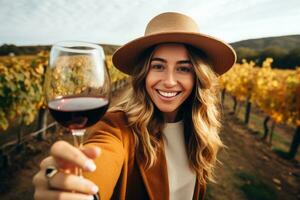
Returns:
<point x="221" y="55"/>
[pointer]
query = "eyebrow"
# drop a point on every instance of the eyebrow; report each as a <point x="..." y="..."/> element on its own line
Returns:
<point x="164" y="61"/>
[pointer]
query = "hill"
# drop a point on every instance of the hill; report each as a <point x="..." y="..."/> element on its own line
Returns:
<point x="32" y="50"/>
<point x="289" y="42"/>
<point x="285" y="50"/>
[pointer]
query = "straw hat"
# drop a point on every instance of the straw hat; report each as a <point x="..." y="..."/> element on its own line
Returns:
<point x="174" y="27"/>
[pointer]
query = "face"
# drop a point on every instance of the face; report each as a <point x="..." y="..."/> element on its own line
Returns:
<point x="170" y="79"/>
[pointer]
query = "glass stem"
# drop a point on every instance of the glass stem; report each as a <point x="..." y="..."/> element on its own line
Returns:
<point x="78" y="143"/>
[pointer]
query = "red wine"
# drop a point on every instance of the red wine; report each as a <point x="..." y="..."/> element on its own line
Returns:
<point x="78" y="112"/>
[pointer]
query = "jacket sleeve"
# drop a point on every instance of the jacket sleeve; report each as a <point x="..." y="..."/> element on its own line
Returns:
<point x="106" y="134"/>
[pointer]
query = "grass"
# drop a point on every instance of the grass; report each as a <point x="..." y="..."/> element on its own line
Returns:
<point x="254" y="188"/>
<point x="281" y="139"/>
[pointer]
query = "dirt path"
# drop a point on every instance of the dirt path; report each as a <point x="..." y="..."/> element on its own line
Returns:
<point x="250" y="170"/>
<point x="251" y="166"/>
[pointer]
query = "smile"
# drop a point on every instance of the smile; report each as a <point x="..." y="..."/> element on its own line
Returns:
<point x="167" y="94"/>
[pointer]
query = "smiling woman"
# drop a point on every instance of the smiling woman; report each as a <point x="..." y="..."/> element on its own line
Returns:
<point x="161" y="140"/>
<point x="170" y="79"/>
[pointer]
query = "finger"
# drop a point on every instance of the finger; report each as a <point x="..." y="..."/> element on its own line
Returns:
<point x="58" y="163"/>
<point x="49" y="161"/>
<point x="91" y="151"/>
<point x="54" y="195"/>
<point x="67" y="182"/>
<point x="66" y="152"/>
<point x="39" y="180"/>
<point x="70" y="182"/>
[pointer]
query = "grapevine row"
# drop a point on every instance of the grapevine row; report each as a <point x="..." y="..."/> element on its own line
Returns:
<point x="276" y="92"/>
<point x="21" y="87"/>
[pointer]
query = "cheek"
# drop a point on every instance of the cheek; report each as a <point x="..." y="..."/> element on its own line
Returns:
<point x="189" y="83"/>
<point x="151" y="80"/>
<point x="149" y="83"/>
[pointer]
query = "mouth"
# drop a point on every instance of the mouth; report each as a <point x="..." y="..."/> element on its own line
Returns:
<point x="168" y="94"/>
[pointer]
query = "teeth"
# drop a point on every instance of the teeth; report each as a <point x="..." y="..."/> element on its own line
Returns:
<point x="168" y="94"/>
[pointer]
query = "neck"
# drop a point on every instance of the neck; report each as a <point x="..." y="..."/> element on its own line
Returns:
<point x="172" y="117"/>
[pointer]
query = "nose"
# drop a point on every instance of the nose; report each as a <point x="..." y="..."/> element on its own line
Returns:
<point x="169" y="79"/>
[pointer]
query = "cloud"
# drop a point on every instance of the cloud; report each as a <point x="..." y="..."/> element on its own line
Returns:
<point x="116" y="21"/>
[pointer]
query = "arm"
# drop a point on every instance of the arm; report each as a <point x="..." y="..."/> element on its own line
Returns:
<point x="64" y="157"/>
<point x="106" y="134"/>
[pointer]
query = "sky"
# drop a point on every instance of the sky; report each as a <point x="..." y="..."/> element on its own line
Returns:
<point x="44" y="22"/>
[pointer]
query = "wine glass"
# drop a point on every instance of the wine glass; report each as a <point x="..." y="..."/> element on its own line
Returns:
<point x="77" y="87"/>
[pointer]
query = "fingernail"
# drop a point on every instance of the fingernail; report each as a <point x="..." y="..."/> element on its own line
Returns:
<point x="91" y="198"/>
<point x="90" y="165"/>
<point x="94" y="189"/>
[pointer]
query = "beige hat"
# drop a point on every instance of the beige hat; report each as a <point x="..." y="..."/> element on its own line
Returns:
<point x="174" y="27"/>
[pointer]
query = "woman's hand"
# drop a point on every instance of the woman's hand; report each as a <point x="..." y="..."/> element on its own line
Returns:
<point x="64" y="185"/>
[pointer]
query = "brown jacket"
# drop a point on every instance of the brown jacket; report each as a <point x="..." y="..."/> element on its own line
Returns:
<point x="120" y="174"/>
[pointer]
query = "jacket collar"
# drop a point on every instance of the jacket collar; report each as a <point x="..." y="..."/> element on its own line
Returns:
<point x="155" y="178"/>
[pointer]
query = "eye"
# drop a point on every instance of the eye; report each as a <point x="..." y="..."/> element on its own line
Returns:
<point x="184" y="69"/>
<point x="157" y="67"/>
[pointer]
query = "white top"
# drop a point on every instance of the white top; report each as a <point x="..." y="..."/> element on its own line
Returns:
<point x="182" y="178"/>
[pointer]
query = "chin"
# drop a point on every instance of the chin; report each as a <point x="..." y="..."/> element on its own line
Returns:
<point x="167" y="110"/>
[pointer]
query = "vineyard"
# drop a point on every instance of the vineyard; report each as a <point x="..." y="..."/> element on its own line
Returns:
<point x="21" y="87"/>
<point x="260" y="89"/>
<point x="22" y="98"/>
<point x="275" y="92"/>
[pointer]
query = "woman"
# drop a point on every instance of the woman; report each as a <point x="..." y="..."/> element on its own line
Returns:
<point x="161" y="140"/>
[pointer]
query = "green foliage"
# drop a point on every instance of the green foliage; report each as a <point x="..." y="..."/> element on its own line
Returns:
<point x="8" y="49"/>
<point x="255" y="189"/>
<point x="286" y="42"/>
<point x="284" y="50"/>
<point x="246" y="53"/>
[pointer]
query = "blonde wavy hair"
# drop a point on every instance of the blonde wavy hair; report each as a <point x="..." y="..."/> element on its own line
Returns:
<point x="201" y="128"/>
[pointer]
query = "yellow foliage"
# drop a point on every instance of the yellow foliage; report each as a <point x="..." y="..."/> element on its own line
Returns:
<point x="115" y="74"/>
<point x="21" y="85"/>
<point x="275" y="91"/>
